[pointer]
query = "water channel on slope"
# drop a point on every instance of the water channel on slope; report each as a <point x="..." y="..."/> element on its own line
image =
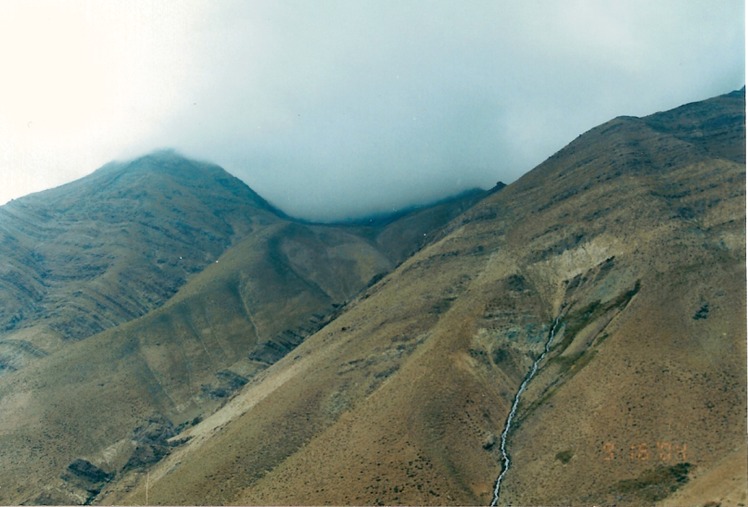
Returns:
<point x="505" y="461"/>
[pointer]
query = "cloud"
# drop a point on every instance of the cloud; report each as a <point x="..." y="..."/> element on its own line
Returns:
<point x="339" y="108"/>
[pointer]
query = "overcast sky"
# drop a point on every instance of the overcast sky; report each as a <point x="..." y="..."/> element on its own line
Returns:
<point x="338" y="108"/>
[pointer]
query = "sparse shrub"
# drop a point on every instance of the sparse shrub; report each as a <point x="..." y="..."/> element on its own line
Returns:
<point x="657" y="483"/>
<point x="499" y="356"/>
<point x="489" y="442"/>
<point x="565" y="456"/>
<point x="701" y="313"/>
<point x="516" y="283"/>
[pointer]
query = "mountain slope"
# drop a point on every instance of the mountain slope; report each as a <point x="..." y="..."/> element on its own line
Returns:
<point x="632" y="238"/>
<point x="106" y="405"/>
<point x="98" y="252"/>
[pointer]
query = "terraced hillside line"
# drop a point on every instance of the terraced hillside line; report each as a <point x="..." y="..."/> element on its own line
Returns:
<point x="505" y="461"/>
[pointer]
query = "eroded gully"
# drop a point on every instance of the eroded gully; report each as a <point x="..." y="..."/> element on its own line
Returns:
<point x="505" y="461"/>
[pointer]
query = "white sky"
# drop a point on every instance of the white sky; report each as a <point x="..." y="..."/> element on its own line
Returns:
<point x="336" y="108"/>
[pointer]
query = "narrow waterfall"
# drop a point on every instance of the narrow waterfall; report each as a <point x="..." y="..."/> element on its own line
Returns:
<point x="505" y="461"/>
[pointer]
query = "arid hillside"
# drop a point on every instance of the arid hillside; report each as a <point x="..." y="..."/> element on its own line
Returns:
<point x="626" y="249"/>
<point x="156" y="289"/>
<point x="113" y="246"/>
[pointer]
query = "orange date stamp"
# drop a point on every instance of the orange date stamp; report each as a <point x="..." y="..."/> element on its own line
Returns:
<point x="663" y="452"/>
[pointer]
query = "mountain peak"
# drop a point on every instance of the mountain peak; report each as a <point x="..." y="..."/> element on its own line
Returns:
<point x="165" y="161"/>
<point x="171" y="214"/>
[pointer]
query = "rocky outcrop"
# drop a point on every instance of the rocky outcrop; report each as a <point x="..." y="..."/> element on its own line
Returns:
<point x="152" y="443"/>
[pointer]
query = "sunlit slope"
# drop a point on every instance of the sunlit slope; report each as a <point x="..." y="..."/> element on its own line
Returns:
<point x="633" y="236"/>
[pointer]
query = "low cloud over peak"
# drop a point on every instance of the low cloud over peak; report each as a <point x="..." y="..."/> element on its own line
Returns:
<point x="340" y="108"/>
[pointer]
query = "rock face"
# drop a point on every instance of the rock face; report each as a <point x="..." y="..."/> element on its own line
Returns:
<point x="89" y="472"/>
<point x="632" y="238"/>
<point x="82" y="481"/>
<point x="151" y="443"/>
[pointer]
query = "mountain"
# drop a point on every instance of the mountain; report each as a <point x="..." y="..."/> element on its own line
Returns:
<point x="146" y="295"/>
<point x="103" y="250"/>
<point x="622" y="256"/>
<point x="170" y="337"/>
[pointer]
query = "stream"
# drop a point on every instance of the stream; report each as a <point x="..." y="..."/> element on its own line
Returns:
<point x="505" y="461"/>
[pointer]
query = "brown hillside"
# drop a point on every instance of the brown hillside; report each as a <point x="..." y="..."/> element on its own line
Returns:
<point x="633" y="236"/>
<point x="108" y="404"/>
<point x="108" y="248"/>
